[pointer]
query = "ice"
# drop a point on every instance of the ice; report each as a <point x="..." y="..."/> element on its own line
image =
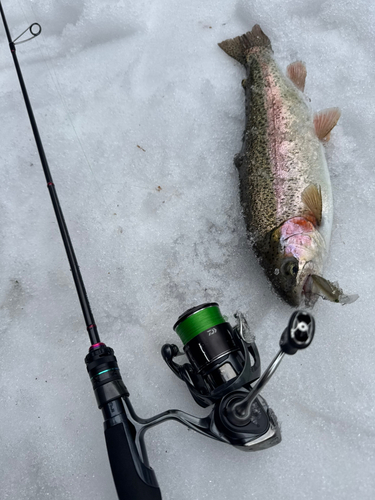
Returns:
<point x="141" y="114"/>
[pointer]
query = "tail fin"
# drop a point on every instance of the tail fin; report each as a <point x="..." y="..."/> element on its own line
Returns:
<point x="237" y="47"/>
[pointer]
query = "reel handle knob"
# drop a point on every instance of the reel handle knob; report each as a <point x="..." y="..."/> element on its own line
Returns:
<point x="299" y="333"/>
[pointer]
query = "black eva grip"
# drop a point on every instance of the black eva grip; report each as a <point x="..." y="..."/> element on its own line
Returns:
<point x="125" y="461"/>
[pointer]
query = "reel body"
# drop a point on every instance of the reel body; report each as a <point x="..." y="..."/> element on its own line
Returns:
<point x="222" y="366"/>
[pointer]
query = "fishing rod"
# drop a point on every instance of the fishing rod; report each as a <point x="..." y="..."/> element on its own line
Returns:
<point x="223" y="371"/>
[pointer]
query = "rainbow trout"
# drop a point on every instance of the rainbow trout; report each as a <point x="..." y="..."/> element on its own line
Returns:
<point x="284" y="181"/>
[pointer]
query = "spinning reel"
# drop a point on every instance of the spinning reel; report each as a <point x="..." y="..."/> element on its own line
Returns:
<point x="223" y="365"/>
<point x="223" y="372"/>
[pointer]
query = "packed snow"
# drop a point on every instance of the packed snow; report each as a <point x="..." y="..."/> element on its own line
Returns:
<point x="141" y="114"/>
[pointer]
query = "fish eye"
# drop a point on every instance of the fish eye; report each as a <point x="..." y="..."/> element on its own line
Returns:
<point x="290" y="268"/>
<point x="294" y="270"/>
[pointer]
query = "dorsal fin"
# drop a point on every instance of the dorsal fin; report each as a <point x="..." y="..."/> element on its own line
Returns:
<point x="312" y="198"/>
<point x="297" y="73"/>
<point x="324" y="121"/>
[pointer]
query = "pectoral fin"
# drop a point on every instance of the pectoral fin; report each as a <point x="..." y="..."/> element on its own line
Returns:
<point x="312" y="198"/>
<point x="331" y="291"/>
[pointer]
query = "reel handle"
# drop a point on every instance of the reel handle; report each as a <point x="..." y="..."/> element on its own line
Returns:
<point x="297" y="335"/>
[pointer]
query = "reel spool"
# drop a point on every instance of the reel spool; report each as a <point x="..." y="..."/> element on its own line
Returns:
<point x="221" y="360"/>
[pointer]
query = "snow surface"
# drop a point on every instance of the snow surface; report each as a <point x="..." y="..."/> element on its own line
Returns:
<point x="141" y="113"/>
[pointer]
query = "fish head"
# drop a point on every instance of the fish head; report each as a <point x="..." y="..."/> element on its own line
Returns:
<point x="284" y="278"/>
<point x="291" y="279"/>
<point x="295" y="251"/>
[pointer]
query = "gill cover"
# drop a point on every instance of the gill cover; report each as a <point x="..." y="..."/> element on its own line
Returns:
<point x="281" y="270"/>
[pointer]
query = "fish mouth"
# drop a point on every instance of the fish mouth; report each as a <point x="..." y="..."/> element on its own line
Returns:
<point x="306" y="283"/>
<point x="307" y="291"/>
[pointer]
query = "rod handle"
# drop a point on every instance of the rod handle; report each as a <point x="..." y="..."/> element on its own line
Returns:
<point x="133" y="480"/>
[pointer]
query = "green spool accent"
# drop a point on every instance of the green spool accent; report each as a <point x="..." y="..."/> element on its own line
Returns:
<point x="198" y="323"/>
